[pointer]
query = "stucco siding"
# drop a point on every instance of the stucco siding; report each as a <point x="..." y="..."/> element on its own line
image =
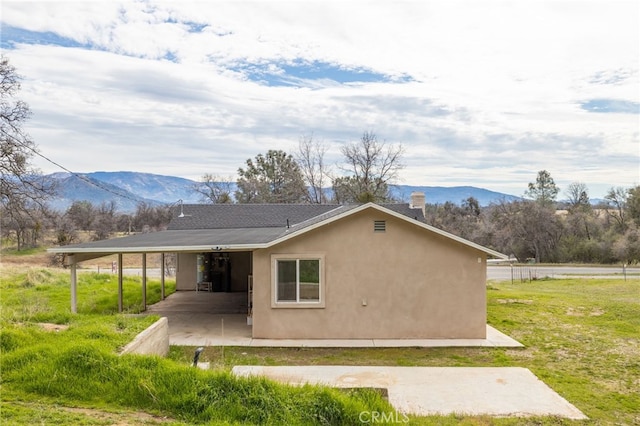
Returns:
<point x="406" y="282"/>
<point x="186" y="271"/>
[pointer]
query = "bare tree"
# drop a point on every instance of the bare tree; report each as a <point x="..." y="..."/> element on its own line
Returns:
<point x="23" y="190"/>
<point x="464" y="220"/>
<point x="20" y="183"/>
<point x="214" y="189"/>
<point x="372" y="166"/>
<point x="578" y="196"/>
<point x="20" y="222"/>
<point x="105" y="220"/>
<point x="82" y="215"/>
<point x="310" y="158"/>
<point x="580" y="219"/>
<point x="527" y="229"/>
<point x="627" y="246"/>
<point x="150" y="218"/>
<point x="65" y="231"/>
<point x="616" y="199"/>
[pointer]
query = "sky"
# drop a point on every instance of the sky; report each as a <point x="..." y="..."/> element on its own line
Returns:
<point x="481" y="93"/>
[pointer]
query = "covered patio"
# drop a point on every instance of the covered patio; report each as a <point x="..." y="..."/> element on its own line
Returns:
<point x="198" y="318"/>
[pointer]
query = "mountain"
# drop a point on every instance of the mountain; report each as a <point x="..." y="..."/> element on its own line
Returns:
<point x="453" y="194"/>
<point x="83" y="187"/>
<point x="163" y="189"/>
<point x="128" y="189"/>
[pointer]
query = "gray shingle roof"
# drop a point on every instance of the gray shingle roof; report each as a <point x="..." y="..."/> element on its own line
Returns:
<point x="245" y="227"/>
<point x="209" y="226"/>
<point x="404" y="209"/>
<point x="224" y="216"/>
<point x="234" y="216"/>
<point x="201" y="238"/>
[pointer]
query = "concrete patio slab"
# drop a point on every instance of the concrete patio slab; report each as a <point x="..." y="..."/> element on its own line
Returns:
<point x="494" y="339"/>
<point x="232" y="330"/>
<point x="195" y="320"/>
<point x="493" y="391"/>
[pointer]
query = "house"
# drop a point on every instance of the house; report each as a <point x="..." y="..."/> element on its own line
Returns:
<point x="323" y="271"/>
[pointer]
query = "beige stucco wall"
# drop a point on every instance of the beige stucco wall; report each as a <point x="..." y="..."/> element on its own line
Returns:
<point x="415" y="284"/>
<point x="186" y="272"/>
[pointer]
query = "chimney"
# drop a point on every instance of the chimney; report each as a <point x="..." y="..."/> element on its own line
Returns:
<point x="418" y="201"/>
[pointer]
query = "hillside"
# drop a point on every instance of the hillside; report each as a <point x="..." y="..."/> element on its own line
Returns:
<point x="453" y="194"/>
<point x="127" y="189"/>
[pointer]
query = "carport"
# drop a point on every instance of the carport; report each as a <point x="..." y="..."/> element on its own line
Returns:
<point x="186" y="244"/>
<point x="73" y="259"/>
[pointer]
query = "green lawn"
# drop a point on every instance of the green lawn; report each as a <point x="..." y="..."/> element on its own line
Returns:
<point x="71" y="373"/>
<point x="581" y="337"/>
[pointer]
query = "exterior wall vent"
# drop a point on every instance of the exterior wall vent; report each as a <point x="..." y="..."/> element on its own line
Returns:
<point x="379" y="226"/>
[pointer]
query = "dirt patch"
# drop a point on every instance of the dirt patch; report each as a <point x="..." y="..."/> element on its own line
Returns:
<point x="521" y="353"/>
<point x="128" y="261"/>
<point x="47" y="326"/>
<point x="38" y="259"/>
<point x="114" y="418"/>
<point x="121" y="419"/>
<point x="44" y="259"/>
<point x="581" y="311"/>
<point x="575" y="312"/>
<point x="625" y="347"/>
<point x="520" y="301"/>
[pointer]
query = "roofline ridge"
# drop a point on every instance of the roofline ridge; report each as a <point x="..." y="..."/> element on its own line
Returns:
<point x="338" y="206"/>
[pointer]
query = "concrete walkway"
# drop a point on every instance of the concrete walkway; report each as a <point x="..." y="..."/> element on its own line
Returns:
<point x="494" y="391"/>
<point x="503" y="391"/>
<point x="191" y="324"/>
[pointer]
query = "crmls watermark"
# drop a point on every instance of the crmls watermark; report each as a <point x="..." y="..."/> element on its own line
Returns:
<point x="377" y="417"/>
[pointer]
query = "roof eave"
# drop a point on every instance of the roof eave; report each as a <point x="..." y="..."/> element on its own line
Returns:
<point x="159" y="249"/>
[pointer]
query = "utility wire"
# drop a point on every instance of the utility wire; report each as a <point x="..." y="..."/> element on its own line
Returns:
<point x="79" y="176"/>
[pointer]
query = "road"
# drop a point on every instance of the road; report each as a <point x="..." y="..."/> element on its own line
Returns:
<point x="504" y="272"/>
<point x="494" y="272"/>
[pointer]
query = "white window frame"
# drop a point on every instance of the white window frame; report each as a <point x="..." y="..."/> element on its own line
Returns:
<point x="275" y="303"/>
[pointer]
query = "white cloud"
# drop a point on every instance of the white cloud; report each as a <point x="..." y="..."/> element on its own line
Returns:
<point x="495" y="97"/>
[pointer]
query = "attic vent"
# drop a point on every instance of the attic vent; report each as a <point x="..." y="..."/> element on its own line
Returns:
<point x="379" y="226"/>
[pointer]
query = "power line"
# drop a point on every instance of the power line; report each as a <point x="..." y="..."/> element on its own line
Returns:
<point x="79" y="176"/>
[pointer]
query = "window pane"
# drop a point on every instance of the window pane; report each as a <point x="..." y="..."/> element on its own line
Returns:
<point x="286" y="280"/>
<point x="310" y="280"/>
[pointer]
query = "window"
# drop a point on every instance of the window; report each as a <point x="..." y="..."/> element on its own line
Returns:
<point x="298" y="281"/>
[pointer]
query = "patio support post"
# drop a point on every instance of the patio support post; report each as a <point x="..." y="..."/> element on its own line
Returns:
<point x="144" y="281"/>
<point x="74" y="284"/>
<point x="162" y="277"/>
<point x="119" y="282"/>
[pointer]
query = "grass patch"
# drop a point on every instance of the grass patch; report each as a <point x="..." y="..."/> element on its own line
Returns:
<point x="43" y="294"/>
<point x="73" y="375"/>
<point x="581" y="337"/>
